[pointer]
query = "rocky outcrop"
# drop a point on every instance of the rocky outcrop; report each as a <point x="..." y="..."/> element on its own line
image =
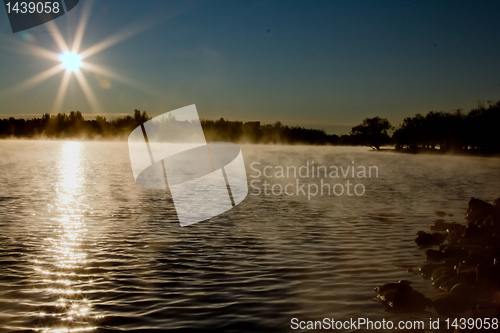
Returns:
<point x="463" y="261"/>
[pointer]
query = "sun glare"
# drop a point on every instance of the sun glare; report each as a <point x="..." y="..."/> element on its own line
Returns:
<point x="70" y="60"/>
<point x="75" y="61"/>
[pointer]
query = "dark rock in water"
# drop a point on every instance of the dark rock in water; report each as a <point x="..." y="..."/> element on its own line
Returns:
<point x="452" y="261"/>
<point x="489" y="257"/>
<point x="426" y="239"/>
<point x="438" y="272"/>
<point x="405" y="299"/>
<point x="437" y="283"/>
<point x="493" y="221"/>
<point x="435" y="255"/>
<point x="399" y="285"/>
<point x="489" y="309"/>
<point x="464" y="291"/>
<point x="455" y="233"/>
<point x="404" y="282"/>
<point x="474" y="235"/>
<point x="467" y="267"/>
<point x="449" y="284"/>
<point x="468" y="272"/>
<point x="401" y="297"/>
<point x="473" y="259"/>
<point x="478" y="210"/>
<point x="455" y="251"/>
<point x="488" y="275"/>
<point x="438" y="238"/>
<point x="442" y="225"/>
<point x="441" y="214"/>
<point x="497" y="203"/>
<point x="449" y="303"/>
<point x="439" y="225"/>
<point x="427" y="269"/>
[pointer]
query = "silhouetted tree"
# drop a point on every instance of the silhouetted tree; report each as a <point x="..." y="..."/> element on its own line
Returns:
<point x="373" y="132"/>
<point x="478" y="130"/>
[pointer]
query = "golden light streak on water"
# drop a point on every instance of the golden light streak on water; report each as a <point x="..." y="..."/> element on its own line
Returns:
<point x="71" y="309"/>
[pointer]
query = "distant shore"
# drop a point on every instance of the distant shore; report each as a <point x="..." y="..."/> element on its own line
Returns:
<point x="476" y="133"/>
<point x="434" y="151"/>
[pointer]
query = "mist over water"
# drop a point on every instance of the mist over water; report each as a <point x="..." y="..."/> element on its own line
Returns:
<point x="84" y="248"/>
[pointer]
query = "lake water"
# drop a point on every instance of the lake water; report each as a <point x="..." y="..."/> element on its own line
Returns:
<point x="84" y="248"/>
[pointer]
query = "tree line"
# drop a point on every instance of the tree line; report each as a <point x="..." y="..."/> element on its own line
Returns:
<point x="477" y="130"/>
<point x="74" y="126"/>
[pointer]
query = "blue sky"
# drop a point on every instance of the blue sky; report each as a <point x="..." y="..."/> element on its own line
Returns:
<point x="320" y="64"/>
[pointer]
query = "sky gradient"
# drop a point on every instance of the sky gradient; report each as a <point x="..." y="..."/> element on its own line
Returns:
<point x="319" y="64"/>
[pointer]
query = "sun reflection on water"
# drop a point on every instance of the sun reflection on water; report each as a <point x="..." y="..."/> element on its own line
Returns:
<point x="62" y="269"/>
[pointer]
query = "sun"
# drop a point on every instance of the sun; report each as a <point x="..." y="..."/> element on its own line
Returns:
<point x="70" y="60"/>
<point x="75" y="61"/>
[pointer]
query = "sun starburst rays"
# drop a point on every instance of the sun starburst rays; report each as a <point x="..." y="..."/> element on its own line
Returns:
<point x="82" y="25"/>
<point x="88" y="92"/>
<point x="71" y="60"/>
<point x="57" y="36"/>
<point x="63" y="87"/>
<point x="37" y="79"/>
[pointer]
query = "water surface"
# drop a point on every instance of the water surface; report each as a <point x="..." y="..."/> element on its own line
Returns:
<point x="83" y="248"/>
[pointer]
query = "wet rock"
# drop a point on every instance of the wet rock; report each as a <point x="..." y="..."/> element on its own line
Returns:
<point x="441" y="214"/>
<point x="496" y="203"/>
<point x="426" y="239"/>
<point x="401" y="297"/>
<point x="428" y="269"/>
<point x="449" y="303"/>
<point x="435" y="255"/>
<point x="474" y="235"/>
<point x="468" y="272"/>
<point x="455" y="251"/>
<point x="388" y="286"/>
<point x="478" y="210"/>
<point x="473" y="259"/>
<point x="404" y="282"/>
<point x="488" y="275"/>
<point x="452" y="261"/>
<point x="437" y="283"/>
<point x="455" y="233"/>
<point x="489" y="309"/>
<point x="450" y="283"/>
<point x="442" y="271"/>
<point x="405" y="299"/>
<point x="464" y="291"/>
<point x="439" y="225"/>
<point x="467" y="267"/>
<point x="442" y="225"/>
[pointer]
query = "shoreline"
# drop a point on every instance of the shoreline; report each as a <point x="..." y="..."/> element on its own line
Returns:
<point x="462" y="262"/>
<point x="419" y="151"/>
<point x="431" y="151"/>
